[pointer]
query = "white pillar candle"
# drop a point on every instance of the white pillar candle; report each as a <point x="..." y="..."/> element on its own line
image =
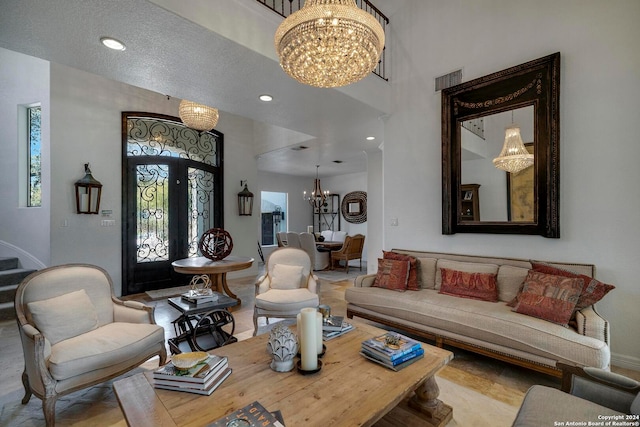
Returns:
<point x="308" y="347"/>
<point x="319" y="332"/>
<point x="84" y="202"/>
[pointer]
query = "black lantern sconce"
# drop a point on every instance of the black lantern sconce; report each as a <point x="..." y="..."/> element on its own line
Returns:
<point x="278" y="216"/>
<point x="245" y="200"/>
<point x="88" y="193"/>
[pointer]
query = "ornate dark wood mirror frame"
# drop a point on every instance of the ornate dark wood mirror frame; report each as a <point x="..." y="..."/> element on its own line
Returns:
<point x="535" y="83"/>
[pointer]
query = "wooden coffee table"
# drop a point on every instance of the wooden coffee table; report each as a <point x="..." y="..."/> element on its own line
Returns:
<point x="348" y="391"/>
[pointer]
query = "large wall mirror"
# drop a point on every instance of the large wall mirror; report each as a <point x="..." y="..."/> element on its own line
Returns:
<point x="475" y="116"/>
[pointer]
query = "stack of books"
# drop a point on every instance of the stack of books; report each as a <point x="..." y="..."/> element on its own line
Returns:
<point x="332" y="323"/>
<point x="200" y="296"/>
<point x="331" y="334"/>
<point x="203" y="378"/>
<point x="392" y="350"/>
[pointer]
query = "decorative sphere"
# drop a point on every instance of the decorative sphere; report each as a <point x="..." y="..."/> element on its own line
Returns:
<point x="215" y="244"/>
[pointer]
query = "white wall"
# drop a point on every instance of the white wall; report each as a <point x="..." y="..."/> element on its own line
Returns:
<point x="599" y="104"/>
<point x="24" y="232"/>
<point x="86" y="127"/>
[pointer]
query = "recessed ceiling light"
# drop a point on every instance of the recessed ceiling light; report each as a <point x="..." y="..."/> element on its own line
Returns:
<point x="371" y="138"/>
<point x="266" y="98"/>
<point x="112" y="43"/>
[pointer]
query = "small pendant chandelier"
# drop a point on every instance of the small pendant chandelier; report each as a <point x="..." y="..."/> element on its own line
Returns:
<point x="514" y="156"/>
<point x="198" y="116"/>
<point x="317" y="197"/>
<point x="329" y="43"/>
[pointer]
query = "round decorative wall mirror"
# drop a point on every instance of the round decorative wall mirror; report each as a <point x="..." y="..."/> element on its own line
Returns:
<point x="354" y="207"/>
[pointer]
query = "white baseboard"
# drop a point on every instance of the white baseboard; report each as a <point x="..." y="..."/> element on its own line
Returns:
<point x="626" y="362"/>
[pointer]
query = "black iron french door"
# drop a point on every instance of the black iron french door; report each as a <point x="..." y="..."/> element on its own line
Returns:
<point x="169" y="201"/>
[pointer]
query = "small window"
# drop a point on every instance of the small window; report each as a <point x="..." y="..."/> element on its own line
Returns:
<point x="34" y="157"/>
<point x="273" y="214"/>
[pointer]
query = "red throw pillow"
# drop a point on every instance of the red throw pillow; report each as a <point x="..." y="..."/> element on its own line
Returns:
<point x="549" y="297"/>
<point x="412" y="281"/>
<point x="392" y="274"/>
<point x="481" y="286"/>
<point x="592" y="292"/>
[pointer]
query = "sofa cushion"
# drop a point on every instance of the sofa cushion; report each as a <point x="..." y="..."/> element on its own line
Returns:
<point x="510" y="281"/>
<point x="392" y="274"/>
<point x="64" y="316"/>
<point x="412" y="281"/>
<point x="481" y="286"/>
<point x="107" y="346"/>
<point x="285" y="276"/>
<point x="427" y="272"/>
<point x="468" y="267"/>
<point x="493" y="324"/>
<point x="287" y="299"/>
<point x="592" y="291"/>
<point x="549" y="297"/>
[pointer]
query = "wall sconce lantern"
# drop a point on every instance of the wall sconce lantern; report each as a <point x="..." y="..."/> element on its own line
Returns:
<point x="278" y="216"/>
<point x="88" y="192"/>
<point x="245" y="201"/>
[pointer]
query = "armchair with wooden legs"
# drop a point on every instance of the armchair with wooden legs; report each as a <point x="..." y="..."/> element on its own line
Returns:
<point x="351" y="249"/>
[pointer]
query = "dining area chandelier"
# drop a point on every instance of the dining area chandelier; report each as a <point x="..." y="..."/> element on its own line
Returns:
<point x="316" y="197"/>
<point x="329" y="43"/>
<point x="514" y="156"/>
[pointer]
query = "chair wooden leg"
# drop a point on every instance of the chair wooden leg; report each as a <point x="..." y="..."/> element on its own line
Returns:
<point x="255" y="323"/>
<point x="49" y="409"/>
<point x="27" y="388"/>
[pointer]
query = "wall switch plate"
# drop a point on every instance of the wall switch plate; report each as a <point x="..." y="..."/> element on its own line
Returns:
<point x="394" y="222"/>
<point x="108" y="222"/>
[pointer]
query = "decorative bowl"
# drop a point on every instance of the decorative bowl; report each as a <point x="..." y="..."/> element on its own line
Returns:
<point x="184" y="361"/>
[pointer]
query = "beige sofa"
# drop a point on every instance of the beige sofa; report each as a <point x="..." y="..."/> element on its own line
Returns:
<point x="489" y="328"/>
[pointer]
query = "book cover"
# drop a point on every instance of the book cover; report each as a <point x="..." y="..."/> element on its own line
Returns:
<point x="396" y="367"/>
<point x="380" y="345"/>
<point x="198" y="374"/>
<point x="178" y="381"/>
<point x="214" y="384"/>
<point x="417" y="352"/>
<point x="254" y="413"/>
<point x="332" y="323"/>
<point x="329" y="335"/>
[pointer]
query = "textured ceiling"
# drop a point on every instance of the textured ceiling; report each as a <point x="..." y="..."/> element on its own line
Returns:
<point x="172" y="55"/>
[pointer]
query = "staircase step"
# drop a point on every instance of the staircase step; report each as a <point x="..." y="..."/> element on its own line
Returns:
<point x="7" y="311"/>
<point x="13" y="276"/>
<point x="8" y="263"/>
<point x="8" y="293"/>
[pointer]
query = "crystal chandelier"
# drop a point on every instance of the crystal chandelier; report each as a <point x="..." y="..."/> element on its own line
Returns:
<point x="197" y="116"/>
<point x="317" y="197"/>
<point x="329" y="43"/>
<point x="514" y="156"/>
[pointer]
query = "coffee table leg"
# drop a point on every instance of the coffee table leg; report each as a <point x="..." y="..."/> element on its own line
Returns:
<point x="220" y="282"/>
<point x="426" y="401"/>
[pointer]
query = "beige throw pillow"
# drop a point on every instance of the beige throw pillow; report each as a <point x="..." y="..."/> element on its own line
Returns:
<point x="285" y="276"/>
<point x="65" y="316"/>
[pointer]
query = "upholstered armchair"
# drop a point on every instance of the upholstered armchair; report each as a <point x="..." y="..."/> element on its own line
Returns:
<point x="293" y="240"/>
<point x="75" y="333"/>
<point x="588" y="394"/>
<point x="351" y="249"/>
<point x="281" y="236"/>
<point x="287" y="287"/>
<point x="319" y="259"/>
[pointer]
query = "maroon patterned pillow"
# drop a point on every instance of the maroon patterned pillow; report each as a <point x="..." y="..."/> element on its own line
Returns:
<point x="482" y="286"/>
<point x="549" y="297"/>
<point x="412" y="281"/>
<point x="592" y="292"/>
<point x="392" y="274"/>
